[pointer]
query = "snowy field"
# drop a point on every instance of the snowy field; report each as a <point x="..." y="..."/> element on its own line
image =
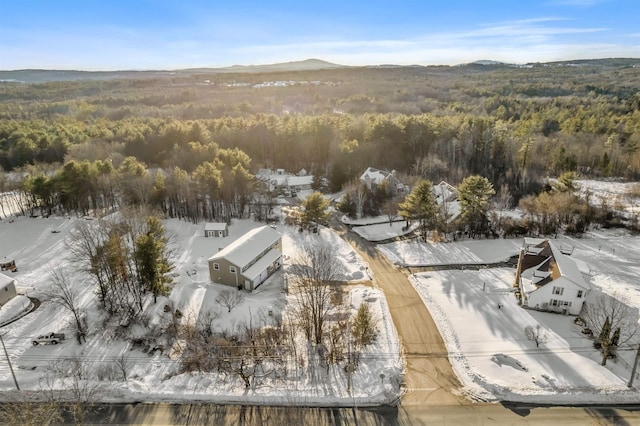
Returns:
<point x="377" y="228"/>
<point x="614" y="193"/>
<point x="39" y="246"/>
<point x="418" y="253"/>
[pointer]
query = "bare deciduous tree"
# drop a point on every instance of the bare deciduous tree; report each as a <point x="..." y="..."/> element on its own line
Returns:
<point x="390" y="209"/>
<point x="70" y="382"/>
<point x="123" y="364"/>
<point x="312" y="272"/>
<point x="603" y="315"/>
<point x="536" y="334"/>
<point x="63" y="294"/>
<point x="229" y="298"/>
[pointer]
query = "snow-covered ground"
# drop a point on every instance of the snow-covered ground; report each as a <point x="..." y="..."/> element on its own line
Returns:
<point x="418" y="253"/>
<point x="38" y="250"/>
<point x="616" y="194"/>
<point x="383" y="231"/>
<point x="15" y="307"/>
<point x="493" y="358"/>
<point x="487" y="345"/>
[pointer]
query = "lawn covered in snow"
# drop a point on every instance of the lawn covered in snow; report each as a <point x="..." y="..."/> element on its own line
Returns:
<point x="416" y="252"/>
<point x="493" y="358"/>
<point x="155" y="375"/>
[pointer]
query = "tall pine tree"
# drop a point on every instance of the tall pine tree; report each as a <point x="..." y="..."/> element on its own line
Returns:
<point x="152" y="260"/>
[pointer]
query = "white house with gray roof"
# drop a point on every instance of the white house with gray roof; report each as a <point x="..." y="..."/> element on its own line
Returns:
<point x="549" y="280"/>
<point x="248" y="261"/>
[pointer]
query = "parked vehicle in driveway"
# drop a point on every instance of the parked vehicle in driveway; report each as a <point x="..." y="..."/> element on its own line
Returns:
<point x="51" y="338"/>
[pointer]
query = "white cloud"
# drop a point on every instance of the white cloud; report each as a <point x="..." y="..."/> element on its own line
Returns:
<point x="531" y="40"/>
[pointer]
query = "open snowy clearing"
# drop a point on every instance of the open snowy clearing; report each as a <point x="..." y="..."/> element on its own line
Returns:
<point x="155" y="376"/>
<point x="418" y="253"/>
<point x="615" y="194"/>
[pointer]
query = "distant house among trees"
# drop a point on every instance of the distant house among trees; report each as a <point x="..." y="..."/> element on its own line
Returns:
<point x="444" y="192"/>
<point x="216" y="229"/>
<point x="374" y="179"/>
<point x="281" y="180"/>
<point x="7" y="289"/>
<point x="248" y="261"/>
<point x="299" y="183"/>
<point x="549" y="280"/>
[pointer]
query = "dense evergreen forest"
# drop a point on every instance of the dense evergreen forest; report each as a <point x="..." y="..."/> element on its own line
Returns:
<point x="210" y="131"/>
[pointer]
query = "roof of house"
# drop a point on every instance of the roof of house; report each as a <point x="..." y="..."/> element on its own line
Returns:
<point x="568" y="268"/>
<point x="215" y="226"/>
<point x="444" y="190"/>
<point x="554" y="266"/>
<point x="249" y="246"/>
<point x="257" y="268"/>
<point x="5" y="261"/>
<point x="299" y="180"/>
<point x="375" y="176"/>
<point x="5" y="280"/>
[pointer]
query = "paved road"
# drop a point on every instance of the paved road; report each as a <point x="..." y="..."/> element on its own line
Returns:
<point x="429" y="377"/>
<point x="477" y="414"/>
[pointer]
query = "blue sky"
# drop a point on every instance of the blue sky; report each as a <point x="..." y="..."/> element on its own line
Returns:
<point x="173" y="34"/>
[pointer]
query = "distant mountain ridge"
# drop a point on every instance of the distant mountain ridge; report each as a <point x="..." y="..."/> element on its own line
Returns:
<point x="42" y="75"/>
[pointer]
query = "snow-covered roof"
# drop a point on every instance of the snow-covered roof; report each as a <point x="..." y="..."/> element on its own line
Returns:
<point x="249" y="246"/>
<point x="535" y="246"/>
<point x="258" y="267"/>
<point x="215" y="226"/>
<point x="278" y="180"/>
<point x="5" y="281"/>
<point x="543" y="273"/>
<point x="299" y="180"/>
<point x="375" y="176"/>
<point x="568" y="268"/>
<point x="445" y="191"/>
<point x="5" y="261"/>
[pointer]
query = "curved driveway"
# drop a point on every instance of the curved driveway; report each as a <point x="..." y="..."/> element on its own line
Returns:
<point x="429" y="377"/>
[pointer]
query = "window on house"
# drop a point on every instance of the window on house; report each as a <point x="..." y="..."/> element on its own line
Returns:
<point x="554" y="302"/>
<point x="558" y="291"/>
<point x="568" y="304"/>
<point x="580" y="293"/>
<point x="216" y="266"/>
<point x="232" y="269"/>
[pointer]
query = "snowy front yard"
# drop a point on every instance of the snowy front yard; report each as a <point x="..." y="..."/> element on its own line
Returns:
<point x="492" y="356"/>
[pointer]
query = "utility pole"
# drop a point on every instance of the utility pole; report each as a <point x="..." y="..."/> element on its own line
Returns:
<point x="635" y="367"/>
<point x="9" y="362"/>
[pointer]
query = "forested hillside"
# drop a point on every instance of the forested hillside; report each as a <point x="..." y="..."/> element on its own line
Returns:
<point x="513" y="125"/>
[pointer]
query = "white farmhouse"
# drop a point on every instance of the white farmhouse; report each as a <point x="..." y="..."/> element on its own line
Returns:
<point x="549" y="280"/>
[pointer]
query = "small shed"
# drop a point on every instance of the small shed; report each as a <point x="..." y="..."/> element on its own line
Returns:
<point x="7" y="264"/>
<point x="216" y="229"/>
<point x="7" y="289"/>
